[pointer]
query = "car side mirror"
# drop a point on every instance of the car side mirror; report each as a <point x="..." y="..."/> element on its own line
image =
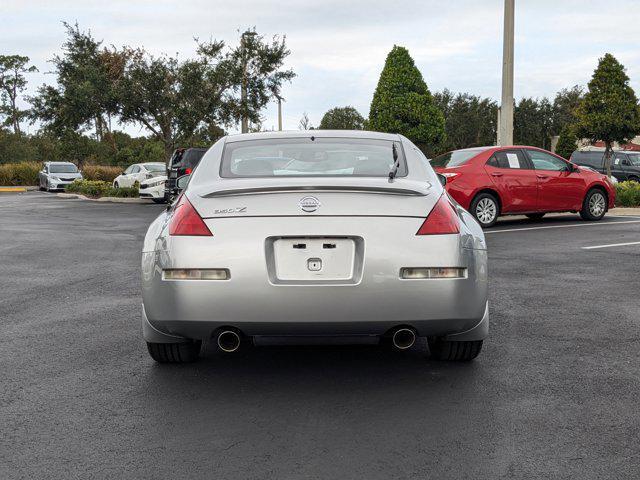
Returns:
<point x="442" y="178"/>
<point x="182" y="182"/>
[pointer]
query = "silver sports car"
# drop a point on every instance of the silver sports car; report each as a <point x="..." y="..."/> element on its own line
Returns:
<point x="314" y="234"/>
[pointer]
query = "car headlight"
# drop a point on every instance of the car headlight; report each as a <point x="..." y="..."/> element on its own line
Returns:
<point x="157" y="183"/>
<point x="55" y="178"/>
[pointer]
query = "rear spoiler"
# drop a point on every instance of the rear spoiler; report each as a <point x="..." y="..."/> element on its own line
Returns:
<point x="391" y="190"/>
<point x="223" y="187"/>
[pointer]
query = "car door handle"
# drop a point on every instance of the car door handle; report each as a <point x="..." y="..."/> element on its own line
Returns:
<point x="496" y="174"/>
<point x="541" y="176"/>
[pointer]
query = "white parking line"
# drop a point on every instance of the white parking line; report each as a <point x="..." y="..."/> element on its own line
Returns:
<point x="611" y="245"/>
<point x="599" y="224"/>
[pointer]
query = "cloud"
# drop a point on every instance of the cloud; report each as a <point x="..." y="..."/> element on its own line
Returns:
<point x="339" y="47"/>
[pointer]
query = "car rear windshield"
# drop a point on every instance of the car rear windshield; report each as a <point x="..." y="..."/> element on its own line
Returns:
<point x="63" y="168"/>
<point x="308" y="156"/>
<point x="454" y="159"/>
<point x="156" y="167"/>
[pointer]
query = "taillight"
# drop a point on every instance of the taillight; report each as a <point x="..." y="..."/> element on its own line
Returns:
<point x="442" y="220"/>
<point x="186" y="221"/>
<point x="187" y="171"/>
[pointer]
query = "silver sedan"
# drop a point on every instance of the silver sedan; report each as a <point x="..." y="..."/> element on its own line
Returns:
<point x="312" y="235"/>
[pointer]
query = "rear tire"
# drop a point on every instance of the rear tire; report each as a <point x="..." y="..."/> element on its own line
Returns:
<point x="594" y="205"/>
<point x="535" y="216"/>
<point x="116" y="185"/>
<point x="440" y="349"/>
<point x="174" y="352"/>
<point x="485" y="208"/>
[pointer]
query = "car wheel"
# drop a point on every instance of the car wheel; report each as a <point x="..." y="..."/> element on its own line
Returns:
<point x="535" y="216"/>
<point x="174" y="352"/>
<point x="47" y="188"/>
<point x="440" y="349"/>
<point x="116" y="185"/>
<point x="594" y="205"/>
<point x="634" y="179"/>
<point x="486" y="209"/>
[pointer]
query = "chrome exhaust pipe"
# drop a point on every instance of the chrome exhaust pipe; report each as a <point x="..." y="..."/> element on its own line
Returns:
<point x="228" y="341"/>
<point x="403" y="338"/>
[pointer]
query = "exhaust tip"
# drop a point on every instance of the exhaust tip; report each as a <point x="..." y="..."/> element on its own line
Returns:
<point x="228" y="341"/>
<point x="403" y="338"/>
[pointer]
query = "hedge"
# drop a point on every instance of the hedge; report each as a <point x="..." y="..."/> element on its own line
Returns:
<point x="19" y="174"/>
<point x="26" y="173"/>
<point x="99" y="188"/>
<point x="628" y="194"/>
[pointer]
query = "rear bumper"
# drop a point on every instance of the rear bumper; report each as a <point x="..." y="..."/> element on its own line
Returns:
<point x="252" y="302"/>
<point x="152" y="192"/>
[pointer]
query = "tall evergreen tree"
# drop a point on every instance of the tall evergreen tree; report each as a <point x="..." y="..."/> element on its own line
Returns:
<point x="567" y="142"/>
<point x="609" y="111"/>
<point x="403" y="104"/>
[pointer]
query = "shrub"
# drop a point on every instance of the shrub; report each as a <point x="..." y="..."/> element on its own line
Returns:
<point x="19" y="174"/>
<point x="99" y="188"/>
<point x="101" y="172"/>
<point x="126" y="192"/>
<point x="628" y="194"/>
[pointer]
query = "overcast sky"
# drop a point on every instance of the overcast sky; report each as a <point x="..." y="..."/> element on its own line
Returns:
<point x="338" y="47"/>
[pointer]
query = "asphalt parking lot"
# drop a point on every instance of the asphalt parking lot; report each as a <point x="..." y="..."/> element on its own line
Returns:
<point x="554" y="393"/>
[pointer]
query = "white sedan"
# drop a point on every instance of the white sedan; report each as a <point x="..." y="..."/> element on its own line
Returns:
<point x="153" y="188"/>
<point x="138" y="172"/>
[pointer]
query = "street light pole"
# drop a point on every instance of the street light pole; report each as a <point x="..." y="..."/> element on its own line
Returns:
<point x="279" y="114"/>
<point x="505" y="115"/>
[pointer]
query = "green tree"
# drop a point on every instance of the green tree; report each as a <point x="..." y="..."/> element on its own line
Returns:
<point x="532" y="122"/>
<point x="173" y="99"/>
<point x="86" y="94"/>
<point x="567" y="142"/>
<point x="565" y="105"/>
<point x="342" y="118"/>
<point x="254" y="70"/>
<point x="12" y="83"/>
<point x="470" y="121"/>
<point x="609" y="111"/>
<point x="403" y="104"/>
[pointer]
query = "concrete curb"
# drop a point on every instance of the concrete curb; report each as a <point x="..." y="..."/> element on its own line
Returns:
<point x="105" y="199"/>
<point x="18" y="189"/>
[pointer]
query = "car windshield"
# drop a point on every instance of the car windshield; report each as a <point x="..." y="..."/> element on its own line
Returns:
<point x="63" y="168"/>
<point x="454" y="159"/>
<point x="155" y="167"/>
<point x="634" y="158"/>
<point x="311" y="157"/>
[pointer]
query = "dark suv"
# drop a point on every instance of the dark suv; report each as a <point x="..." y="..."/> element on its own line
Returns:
<point x="624" y="165"/>
<point x="182" y="162"/>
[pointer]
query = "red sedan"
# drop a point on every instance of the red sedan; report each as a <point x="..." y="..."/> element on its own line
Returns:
<point x="518" y="180"/>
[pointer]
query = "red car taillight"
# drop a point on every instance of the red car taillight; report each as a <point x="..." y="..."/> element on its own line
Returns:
<point x="442" y="220"/>
<point x="186" y="221"/>
<point x="187" y="171"/>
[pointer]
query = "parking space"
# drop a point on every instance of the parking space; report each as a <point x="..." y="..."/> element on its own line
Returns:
<point x="553" y="394"/>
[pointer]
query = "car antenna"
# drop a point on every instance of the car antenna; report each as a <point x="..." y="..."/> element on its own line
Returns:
<point x="396" y="164"/>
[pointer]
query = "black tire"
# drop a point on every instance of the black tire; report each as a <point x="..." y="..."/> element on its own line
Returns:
<point x="594" y="205"/>
<point x="440" y="349"/>
<point x="634" y="179"/>
<point x="174" y="352"/>
<point x="481" y="207"/>
<point x="535" y="216"/>
<point x="159" y="200"/>
<point x="116" y="185"/>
